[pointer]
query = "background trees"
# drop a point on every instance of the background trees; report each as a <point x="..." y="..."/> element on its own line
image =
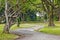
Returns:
<point x="25" y="10"/>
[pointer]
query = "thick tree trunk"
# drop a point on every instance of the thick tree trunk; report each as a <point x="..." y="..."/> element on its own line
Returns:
<point x="51" y="19"/>
<point x="7" y="27"/>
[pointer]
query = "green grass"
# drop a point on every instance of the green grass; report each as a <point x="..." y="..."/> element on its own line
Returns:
<point x="4" y="36"/>
<point x="51" y="30"/>
<point x="24" y="25"/>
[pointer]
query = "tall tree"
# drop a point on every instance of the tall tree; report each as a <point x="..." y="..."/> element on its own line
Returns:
<point x="6" y="28"/>
<point x="10" y="15"/>
<point x="49" y="7"/>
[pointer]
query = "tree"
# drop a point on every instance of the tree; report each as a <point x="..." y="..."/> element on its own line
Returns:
<point x="6" y="28"/>
<point x="58" y="8"/>
<point x="10" y="17"/>
<point x="49" y="7"/>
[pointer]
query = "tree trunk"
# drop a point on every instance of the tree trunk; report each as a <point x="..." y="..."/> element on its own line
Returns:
<point x="9" y="20"/>
<point x="6" y="28"/>
<point x="51" y="19"/>
<point x="59" y="17"/>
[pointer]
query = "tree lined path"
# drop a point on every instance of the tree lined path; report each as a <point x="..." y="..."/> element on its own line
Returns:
<point x="30" y="34"/>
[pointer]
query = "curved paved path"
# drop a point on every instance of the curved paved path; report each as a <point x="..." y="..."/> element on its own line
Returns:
<point x="40" y="36"/>
<point x="31" y="35"/>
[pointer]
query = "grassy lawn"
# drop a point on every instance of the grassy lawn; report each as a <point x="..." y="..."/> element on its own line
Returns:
<point x="4" y="36"/>
<point x="24" y="25"/>
<point x="51" y="30"/>
<point x="7" y="36"/>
